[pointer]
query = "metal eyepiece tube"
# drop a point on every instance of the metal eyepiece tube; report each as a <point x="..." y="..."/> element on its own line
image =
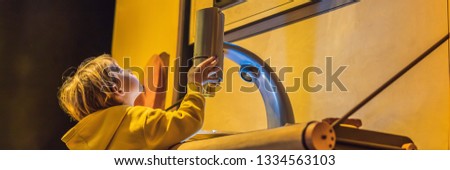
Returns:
<point x="209" y="42"/>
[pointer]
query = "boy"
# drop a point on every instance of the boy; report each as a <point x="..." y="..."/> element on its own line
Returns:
<point x="100" y="95"/>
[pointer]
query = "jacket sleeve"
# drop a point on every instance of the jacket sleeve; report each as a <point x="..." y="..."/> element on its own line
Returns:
<point x="164" y="129"/>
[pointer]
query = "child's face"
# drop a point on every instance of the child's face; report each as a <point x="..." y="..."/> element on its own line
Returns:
<point x="129" y="87"/>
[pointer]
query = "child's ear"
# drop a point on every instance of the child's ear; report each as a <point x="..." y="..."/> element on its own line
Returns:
<point x="118" y="95"/>
<point x="116" y="91"/>
<point x="119" y="92"/>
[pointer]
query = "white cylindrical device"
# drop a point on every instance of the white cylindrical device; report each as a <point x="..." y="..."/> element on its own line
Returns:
<point x="209" y="42"/>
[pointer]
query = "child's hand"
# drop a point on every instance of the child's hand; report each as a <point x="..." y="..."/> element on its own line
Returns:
<point x="203" y="72"/>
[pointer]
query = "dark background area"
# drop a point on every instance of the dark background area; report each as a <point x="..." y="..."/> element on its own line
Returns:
<point x="39" y="40"/>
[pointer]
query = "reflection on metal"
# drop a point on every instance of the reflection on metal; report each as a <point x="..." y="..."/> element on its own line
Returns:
<point x="254" y="69"/>
<point x="313" y="136"/>
<point x="209" y="42"/>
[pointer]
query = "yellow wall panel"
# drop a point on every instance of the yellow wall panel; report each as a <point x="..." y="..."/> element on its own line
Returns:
<point x="143" y="28"/>
<point x="448" y="16"/>
<point x="417" y="105"/>
<point x="375" y="39"/>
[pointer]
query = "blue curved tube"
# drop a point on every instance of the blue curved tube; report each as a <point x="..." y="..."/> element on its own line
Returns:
<point x="276" y="101"/>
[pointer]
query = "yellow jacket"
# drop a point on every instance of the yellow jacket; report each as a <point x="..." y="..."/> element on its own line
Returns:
<point x="137" y="127"/>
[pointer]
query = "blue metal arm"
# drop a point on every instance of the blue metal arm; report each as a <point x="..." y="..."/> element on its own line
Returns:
<point x="254" y="69"/>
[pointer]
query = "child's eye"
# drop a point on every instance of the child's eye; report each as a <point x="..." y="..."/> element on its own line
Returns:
<point x="115" y="69"/>
<point x="120" y="71"/>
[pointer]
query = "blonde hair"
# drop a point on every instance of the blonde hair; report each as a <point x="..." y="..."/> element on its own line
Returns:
<point x="91" y="87"/>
